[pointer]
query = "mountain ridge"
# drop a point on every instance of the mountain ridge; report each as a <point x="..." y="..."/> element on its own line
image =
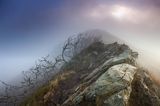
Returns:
<point x="83" y="86"/>
<point x="91" y="70"/>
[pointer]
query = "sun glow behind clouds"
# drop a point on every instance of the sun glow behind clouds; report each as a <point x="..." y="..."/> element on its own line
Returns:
<point x="117" y="12"/>
<point x="127" y="14"/>
<point x="120" y="12"/>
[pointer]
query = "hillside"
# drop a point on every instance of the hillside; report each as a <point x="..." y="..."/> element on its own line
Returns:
<point x="100" y="75"/>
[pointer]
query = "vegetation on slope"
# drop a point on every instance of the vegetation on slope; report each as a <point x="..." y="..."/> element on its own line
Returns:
<point x="42" y="95"/>
<point x="81" y="65"/>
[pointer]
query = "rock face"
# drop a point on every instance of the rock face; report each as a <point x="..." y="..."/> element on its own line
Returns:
<point x="144" y="91"/>
<point x="102" y="75"/>
<point x="117" y="82"/>
<point x="110" y="89"/>
<point x="108" y="85"/>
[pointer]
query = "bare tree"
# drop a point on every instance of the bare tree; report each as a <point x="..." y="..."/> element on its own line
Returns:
<point x="76" y="44"/>
<point x="45" y="68"/>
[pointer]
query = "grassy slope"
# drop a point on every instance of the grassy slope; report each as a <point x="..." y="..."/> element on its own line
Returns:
<point x="43" y="93"/>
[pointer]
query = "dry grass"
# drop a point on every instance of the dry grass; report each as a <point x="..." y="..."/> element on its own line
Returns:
<point x="44" y="93"/>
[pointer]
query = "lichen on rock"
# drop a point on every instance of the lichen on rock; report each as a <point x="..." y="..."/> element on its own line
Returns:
<point x="112" y="86"/>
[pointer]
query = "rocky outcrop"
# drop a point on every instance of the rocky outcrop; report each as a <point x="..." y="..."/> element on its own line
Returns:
<point x="117" y="82"/>
<point x="145" y="92"/>
<point x="111" y="89"/>
<point x="102" y="75"/>
<point x="107" y="85"/>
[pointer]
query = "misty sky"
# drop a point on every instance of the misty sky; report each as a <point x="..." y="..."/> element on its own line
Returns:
<point x="30" y="29"/>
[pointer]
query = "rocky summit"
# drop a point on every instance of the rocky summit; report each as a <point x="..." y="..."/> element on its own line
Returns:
<point x="101" y="75"/>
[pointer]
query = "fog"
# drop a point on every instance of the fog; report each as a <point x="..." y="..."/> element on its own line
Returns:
<point x="37" y="29"/>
